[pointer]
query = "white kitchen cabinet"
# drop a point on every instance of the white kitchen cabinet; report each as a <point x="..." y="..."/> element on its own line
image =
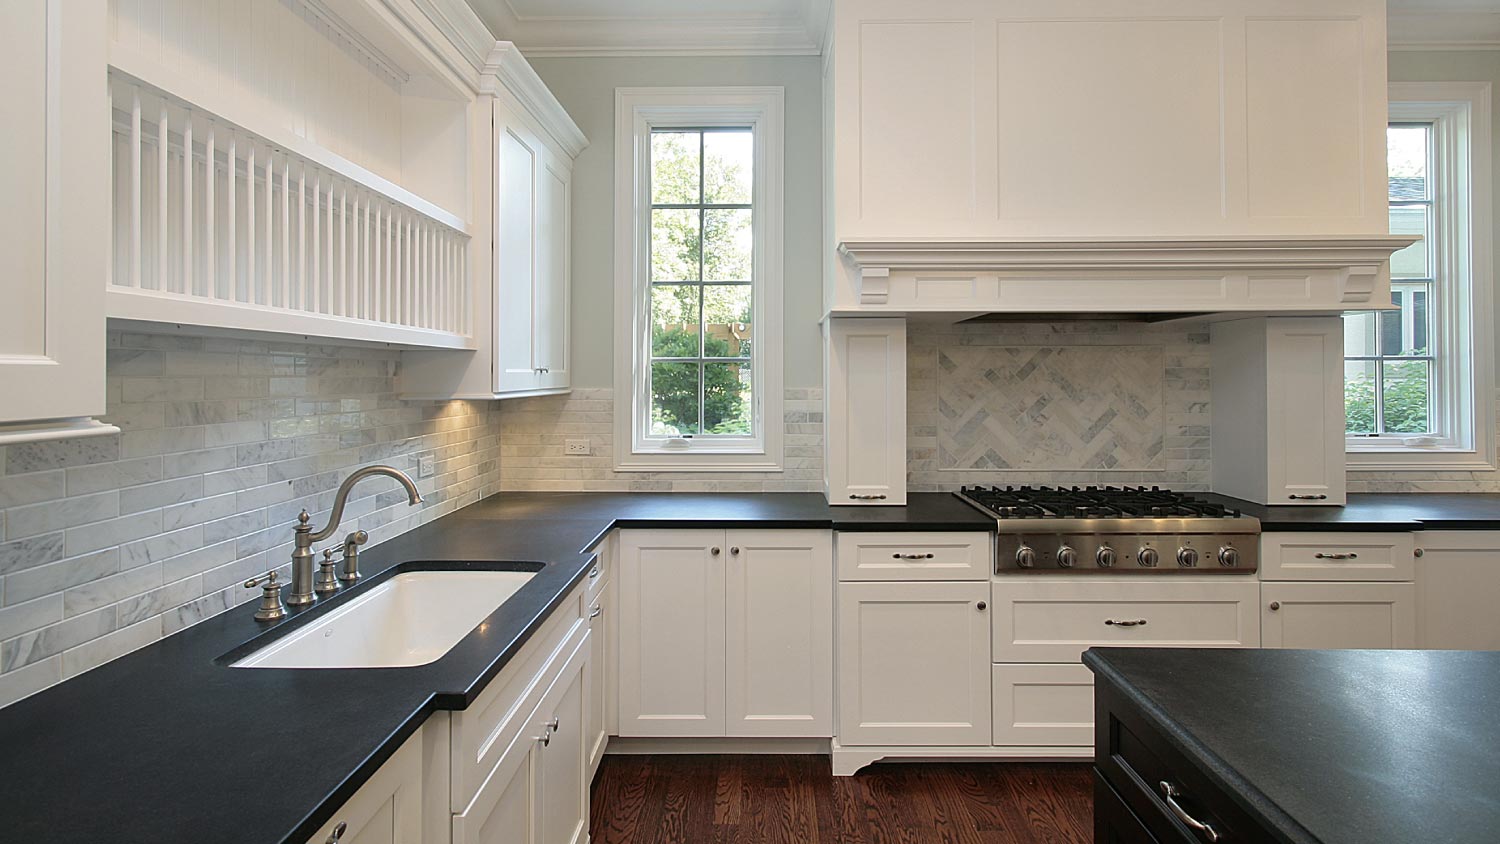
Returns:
<point x="865" y="411"/>
<point x="387" y="809"/>
<point x="54" y="228"/>
<point x="1458" y="587"/>
<point x="1277" y="392"/>
<point x="1338" y="615"/>
<point x="915" y="555"/>
<point x="1043" y="704"/>
<point x="538" y="790"/>
<point x="914" y="663"/>
<point x="597" y="695"/>
<point x="1040" y="618"/>
<point x="1339" y="556"/>
<point x="532" y="189"/>
<point x="724" y="633"/>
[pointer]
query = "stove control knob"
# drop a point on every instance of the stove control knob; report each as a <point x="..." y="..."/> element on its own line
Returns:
<point x="1105" y="557"/>
<point x="1229" y="556"/>
<point x="1066" y="556"/>
<point x="1025" y="557"/>
<point x="1148" y="558"/>
<point x="1187" y="558"/>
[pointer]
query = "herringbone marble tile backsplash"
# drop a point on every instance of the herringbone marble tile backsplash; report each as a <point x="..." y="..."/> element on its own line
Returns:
<point x="1064" y="403"/>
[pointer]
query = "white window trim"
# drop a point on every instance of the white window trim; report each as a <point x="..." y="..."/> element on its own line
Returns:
<point x="1465" y="312"/>
<point x="637" y="110"/>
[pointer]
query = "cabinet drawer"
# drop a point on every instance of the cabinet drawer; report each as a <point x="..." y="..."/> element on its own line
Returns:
<point x="482" y="732"/>
<point x="1057" y="619"/>
<point x="597" y="578"/>
<point x="1337" y="556"/>
<point x="915" y="556"/>
<point x="1043" y="705"/>
<point x="1133" y="756"/>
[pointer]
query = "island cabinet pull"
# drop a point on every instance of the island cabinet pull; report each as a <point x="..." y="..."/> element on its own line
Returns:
<point x="911" y="556"/>
<point x="1129" y="622"/>
<point x="1171" y="792"/>
<point x="1336" y="556"/>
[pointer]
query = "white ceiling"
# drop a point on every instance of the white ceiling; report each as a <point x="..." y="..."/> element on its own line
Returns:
<point x="796" y="27"/>
<point x="657" y="27"/>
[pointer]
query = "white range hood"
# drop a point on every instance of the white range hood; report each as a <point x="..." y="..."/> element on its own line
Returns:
<point x="1071" y="156"/>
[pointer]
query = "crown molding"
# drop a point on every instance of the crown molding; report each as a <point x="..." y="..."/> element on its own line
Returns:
<point x="452" y="31"/>
<point x="1443" y="30"/>
<point x="506" y="68"/>
<point x="592" y="36"/>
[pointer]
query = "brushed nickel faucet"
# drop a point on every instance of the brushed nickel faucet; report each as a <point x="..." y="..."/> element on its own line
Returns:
<point x="303" y="587"/>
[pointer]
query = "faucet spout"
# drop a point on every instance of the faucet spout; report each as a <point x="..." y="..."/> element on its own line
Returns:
<point x="302" y="556"/>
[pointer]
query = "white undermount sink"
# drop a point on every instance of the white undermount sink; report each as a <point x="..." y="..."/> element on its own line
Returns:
<point x="412" y="619"/>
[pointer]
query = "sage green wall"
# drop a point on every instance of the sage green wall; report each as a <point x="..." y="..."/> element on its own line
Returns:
<point x="1458" y="66"/>
<point x="586" y="88"/>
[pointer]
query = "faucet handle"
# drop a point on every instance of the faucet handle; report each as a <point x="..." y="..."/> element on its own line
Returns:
<point x="326" y="583"/>
<point x="271" y="608"/>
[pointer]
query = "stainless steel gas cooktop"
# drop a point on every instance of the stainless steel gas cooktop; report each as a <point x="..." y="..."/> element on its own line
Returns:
<point x="1115" y="529"/>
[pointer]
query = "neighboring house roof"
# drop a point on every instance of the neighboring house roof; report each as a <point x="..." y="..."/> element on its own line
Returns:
<point x="1408" y="188"/>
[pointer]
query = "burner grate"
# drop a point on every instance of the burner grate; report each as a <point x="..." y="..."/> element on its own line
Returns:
<point x="1093" y="502"/>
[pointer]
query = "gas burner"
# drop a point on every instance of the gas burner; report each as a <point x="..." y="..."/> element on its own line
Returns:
<point x="1115" y="529"/>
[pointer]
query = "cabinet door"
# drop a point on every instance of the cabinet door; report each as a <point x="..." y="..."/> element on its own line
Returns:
<point x="866" y="411"/>
<point x="1043" y="705"/>
<point x="597" y="685"/>
<point x="563" y="779"/>
<point x="518" y="153"/>
<point x="1305" y="410"/>
<point x="671" y="624"/>
<point x="1338" y="615"/>
<point x="505" y="810"/>
<point x="914" y="664"/>
<point x="779" y="633"/>
<point x="387" y="809"/>
<point x="54" y="226"/>
<point x="552" y="289"/>
<point x="1458" y="581"/>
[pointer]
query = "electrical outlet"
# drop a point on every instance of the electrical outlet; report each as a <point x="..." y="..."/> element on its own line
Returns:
<point x="577" y="447"/>
<point x="426" y="466"/>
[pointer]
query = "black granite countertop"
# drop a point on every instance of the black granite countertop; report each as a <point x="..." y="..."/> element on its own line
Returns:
<point x="1392" y="511"/>
<point x="1332" y="747"/>
<point x="169" y="744"/>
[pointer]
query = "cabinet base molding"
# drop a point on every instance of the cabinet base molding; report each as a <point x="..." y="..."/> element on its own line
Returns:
<point x="680" y="746"/>
<point x="847" y="761"/>
<point x="55" y="429"/>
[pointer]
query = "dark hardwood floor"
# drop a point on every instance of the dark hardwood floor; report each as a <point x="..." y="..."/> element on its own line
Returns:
<point x="795" y="799"/>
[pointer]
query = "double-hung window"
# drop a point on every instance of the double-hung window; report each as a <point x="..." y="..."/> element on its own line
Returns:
<point x="1417" y="376"/>
<point x="698" y="279"/>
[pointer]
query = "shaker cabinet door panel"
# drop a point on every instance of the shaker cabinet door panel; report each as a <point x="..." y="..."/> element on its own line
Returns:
<point x="1338" y="615"/>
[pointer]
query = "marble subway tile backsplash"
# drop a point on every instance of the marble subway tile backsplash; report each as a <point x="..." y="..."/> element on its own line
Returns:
<point x="109" y="543"/>
<point x="533" y="456"/>
<point x="1057" y="403"/>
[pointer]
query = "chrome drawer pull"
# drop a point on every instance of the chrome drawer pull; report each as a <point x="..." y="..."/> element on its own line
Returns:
<point x="1307" y="497"/>
<point x="594" y="613"/>
<point x="338" y="833"/>
<point x="911" y="556"/>
<point x="1340" y="556"/>
<point x="1134" y="622"/>
<point x="1171" y="792"/>
<point x="866" y="497"/>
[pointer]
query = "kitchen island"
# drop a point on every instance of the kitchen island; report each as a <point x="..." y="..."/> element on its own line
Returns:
<point x="1307" y="747"/>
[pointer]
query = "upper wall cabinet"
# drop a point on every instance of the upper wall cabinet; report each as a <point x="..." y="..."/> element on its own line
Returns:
<point x="53" y="229"/>
<point x="1027" y="118"/>
<point x="521" y="307"/>
<point x="293" y="167"/>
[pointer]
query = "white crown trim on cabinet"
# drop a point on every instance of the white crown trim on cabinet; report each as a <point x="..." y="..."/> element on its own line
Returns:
<point x="504" y="65"/>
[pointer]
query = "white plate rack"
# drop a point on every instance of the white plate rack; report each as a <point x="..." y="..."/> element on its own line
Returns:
<point x="217" y="226"/>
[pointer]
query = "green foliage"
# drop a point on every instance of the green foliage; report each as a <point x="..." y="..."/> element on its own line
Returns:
<point x="674" y="389"/>
<point x="1405" y="400"/>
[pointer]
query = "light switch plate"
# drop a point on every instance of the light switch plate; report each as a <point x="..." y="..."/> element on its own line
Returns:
<point x="576" y="447"/>
<point x="426" y="466"/>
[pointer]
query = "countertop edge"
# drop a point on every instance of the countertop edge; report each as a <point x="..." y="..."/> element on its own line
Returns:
<point x="1237" y="788"/>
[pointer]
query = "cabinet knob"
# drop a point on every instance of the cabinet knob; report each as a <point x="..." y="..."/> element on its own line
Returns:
<point x="338" y="833"/>
<point x="982" y="606"/>
<point x="1275" y="605"/>
<point x="734" y="549"/>
<point x="714" y="550"/>
<point x="1418" y="552"/>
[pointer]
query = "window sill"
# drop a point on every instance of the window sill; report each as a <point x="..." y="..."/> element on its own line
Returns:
<point x="1417" y="460"/>
<point x="700" y="461"/>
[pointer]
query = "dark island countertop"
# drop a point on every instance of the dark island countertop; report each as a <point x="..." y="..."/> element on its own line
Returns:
<point x="1331" y="747"/>
<point x="169" y="744"/>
